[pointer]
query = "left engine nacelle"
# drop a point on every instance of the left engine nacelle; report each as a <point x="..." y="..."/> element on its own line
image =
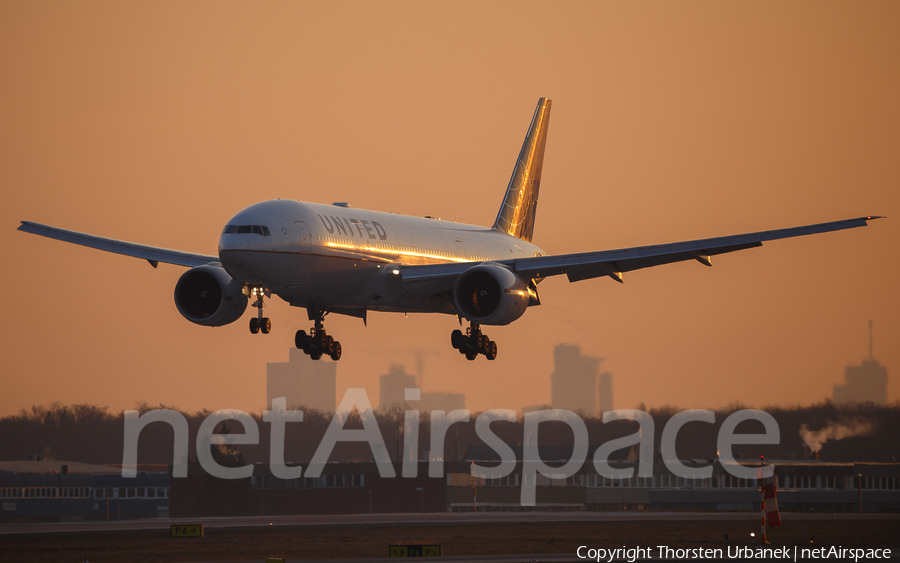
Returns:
<point x="208" y="296"/>
<point x="490" y="294"/>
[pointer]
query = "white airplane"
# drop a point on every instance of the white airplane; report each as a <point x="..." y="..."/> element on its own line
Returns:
<point x="338" y="259"/>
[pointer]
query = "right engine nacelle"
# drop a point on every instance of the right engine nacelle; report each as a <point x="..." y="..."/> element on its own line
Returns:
<point x="208" y="296"/>
<point x="490" y="294"/>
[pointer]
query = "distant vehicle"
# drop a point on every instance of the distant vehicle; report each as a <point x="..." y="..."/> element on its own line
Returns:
<point x="338" y="259"/>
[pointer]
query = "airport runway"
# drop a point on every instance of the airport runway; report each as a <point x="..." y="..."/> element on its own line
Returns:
<point x="436" y="518"/>
<point x="540" y="558"/>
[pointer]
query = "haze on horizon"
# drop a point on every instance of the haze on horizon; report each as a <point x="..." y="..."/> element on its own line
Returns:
<point x="156" y="122"/>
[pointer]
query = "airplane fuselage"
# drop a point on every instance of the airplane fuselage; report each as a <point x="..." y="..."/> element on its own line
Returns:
<point x="338" y="256"/>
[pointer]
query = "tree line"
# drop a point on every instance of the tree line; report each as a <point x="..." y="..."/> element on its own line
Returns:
<point x="92" y="434"/>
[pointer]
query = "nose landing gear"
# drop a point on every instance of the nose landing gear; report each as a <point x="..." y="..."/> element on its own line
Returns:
<point x="318" y="343"/>
<point x="259" y="323"/>
<point x="473" y="342"/>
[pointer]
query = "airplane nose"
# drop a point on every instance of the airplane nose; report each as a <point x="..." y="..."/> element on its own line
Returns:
<point x="233" y="242"/>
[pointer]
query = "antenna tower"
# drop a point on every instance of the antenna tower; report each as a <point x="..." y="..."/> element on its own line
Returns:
<point x="870" y="341"/>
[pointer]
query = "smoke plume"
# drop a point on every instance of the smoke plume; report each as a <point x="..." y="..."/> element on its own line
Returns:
<point x="835" y="431"/>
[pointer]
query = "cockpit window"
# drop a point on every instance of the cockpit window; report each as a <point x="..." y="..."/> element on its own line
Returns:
<point x="246" y="230"/>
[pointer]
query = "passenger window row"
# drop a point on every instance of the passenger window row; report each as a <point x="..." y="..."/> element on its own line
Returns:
<point x="246" y="230"/>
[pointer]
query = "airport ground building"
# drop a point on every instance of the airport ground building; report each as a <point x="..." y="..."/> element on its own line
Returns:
<point x="77" y="491"/>
<point x="343" y="488"/>
<point x="358" y="488"/>
<point x="346" y="488"/>
<point x="802" y="486"/>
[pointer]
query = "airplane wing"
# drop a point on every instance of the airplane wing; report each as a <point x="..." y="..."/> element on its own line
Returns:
<point x="434" y="278"/>
<point x="151" y="254"/>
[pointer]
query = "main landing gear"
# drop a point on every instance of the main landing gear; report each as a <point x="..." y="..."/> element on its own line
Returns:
<point x="473" y="342"/>
<point x="318" y="343"/>
<point x="259" y="323"/>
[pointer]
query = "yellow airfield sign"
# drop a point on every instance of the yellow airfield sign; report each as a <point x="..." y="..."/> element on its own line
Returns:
<point x="187" y="530"/>
<point x="415" y="551"/>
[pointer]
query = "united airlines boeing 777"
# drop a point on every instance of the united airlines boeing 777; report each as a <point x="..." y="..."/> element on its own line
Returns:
<point x="338" y="259"/>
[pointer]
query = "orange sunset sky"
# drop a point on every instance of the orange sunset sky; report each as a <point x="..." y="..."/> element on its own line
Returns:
<point x="155" y="122"/>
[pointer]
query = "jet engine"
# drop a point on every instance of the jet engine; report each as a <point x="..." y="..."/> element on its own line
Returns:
<point x="490" y="294"/>
<point x="208" y="296"/>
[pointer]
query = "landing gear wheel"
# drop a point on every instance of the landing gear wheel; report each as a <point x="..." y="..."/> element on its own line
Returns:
<point x="317" y="343"/>
<point x="491" y="350"/>
<point x="457" y="339"/>
<point x="254" y="325"/>
<point x="473" y="342"/>
<point x="265" y="326"/>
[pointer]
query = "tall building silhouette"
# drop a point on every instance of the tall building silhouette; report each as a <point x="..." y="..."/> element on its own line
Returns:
<point x="304" y="382"/>
<point x="393" y="392"/>
<point x="605" y="392"/>
<point x="577" y="384"/>
<point x="864" y="383"/>
<point x="394" y="385"/>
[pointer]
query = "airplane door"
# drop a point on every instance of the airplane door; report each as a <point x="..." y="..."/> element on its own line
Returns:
<point x="461" y="249"/>
<point x="304" y="236"/>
